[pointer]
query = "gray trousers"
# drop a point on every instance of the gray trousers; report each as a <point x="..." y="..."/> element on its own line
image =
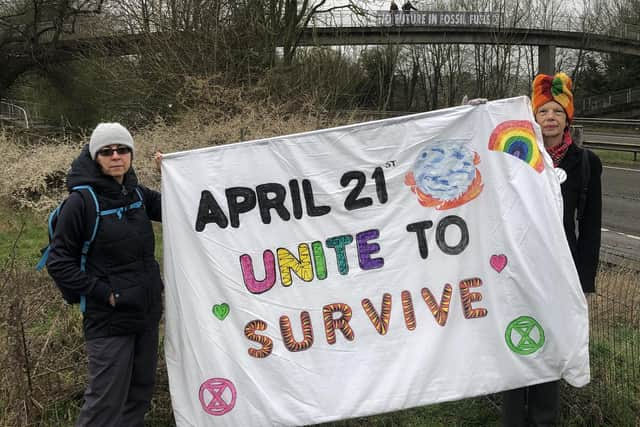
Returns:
<point x="122" y="371"/>
<point x="537" y="405"/>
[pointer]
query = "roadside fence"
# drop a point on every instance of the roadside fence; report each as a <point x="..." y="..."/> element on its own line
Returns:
<point x="12" y="112"/>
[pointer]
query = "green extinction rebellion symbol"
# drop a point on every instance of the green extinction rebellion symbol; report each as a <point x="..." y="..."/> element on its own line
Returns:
<point x="524" y="335"/>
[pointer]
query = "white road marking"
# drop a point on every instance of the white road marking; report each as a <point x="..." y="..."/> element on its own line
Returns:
<point x="621" y="169"/>
<point x="630" y="236"/>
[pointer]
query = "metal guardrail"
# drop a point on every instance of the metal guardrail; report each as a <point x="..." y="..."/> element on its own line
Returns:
<point x="618" y="123"/>
<point x="632" y="145"/>
<point x="605" y="121"/>
<point x="614" y="146"/>
<point x="11" y="111"/>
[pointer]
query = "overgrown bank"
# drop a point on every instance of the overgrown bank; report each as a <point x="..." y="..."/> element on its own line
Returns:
<point x="42" y="362"/>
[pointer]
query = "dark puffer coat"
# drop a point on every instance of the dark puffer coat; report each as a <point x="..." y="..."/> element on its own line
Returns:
<point x="584" y="238"/>
<point x="121" y="258"/>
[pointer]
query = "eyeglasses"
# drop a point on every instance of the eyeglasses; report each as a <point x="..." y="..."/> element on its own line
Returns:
<point x="556" y="113"/>
<point x="108" y="152"/>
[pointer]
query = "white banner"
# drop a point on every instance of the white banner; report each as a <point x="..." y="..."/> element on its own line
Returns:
<point x="439" y="18"/>
<point x="367" y="268"/>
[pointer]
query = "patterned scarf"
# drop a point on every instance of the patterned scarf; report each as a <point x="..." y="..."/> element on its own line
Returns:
<point x="557" y="153"/>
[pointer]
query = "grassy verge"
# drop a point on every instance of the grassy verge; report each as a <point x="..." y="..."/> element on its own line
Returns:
<point x="618" y="158"/>
<point x="480" y="412"/>
<point x="22" y="234"/>
<point x="42" y="365"/>
<point x="42" y="360"/>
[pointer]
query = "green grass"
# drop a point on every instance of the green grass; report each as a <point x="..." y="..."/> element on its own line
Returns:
<point x="479" y="411"/>
<point x="610" y="400"/>
<point x="61" y="414"/>
<point x="22" y="233"/>
<point x="618" y="158"/>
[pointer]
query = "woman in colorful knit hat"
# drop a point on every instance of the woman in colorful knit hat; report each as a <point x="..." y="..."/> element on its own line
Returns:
<point x="579" y="172"/>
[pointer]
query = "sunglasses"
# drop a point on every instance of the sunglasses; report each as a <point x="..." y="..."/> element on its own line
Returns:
<point x="108" y="152"/>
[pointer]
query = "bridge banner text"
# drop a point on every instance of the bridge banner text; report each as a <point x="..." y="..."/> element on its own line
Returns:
<point x="367" y="268"/>
<point x="440" y="18"/>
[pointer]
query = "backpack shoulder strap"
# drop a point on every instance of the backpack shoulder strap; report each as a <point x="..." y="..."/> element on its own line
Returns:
<point x="86" y="245"/>
<point x="140" y="194"/>
<point x="585" y="168"/>
<point x="122" y="209"/>
<point x="53" y="219"/>
<point x="94" y="230"/>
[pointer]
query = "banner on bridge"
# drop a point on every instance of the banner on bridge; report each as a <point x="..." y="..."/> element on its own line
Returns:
<point x="439" y="18"/>
<point x="367" y="268"/>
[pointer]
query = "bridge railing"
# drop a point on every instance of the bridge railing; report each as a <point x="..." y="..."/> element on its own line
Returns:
<point x="98" y="26"/>
<point x="377" y="18"/>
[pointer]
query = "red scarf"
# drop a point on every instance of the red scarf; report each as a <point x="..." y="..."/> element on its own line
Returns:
<point x="557" y="153"/>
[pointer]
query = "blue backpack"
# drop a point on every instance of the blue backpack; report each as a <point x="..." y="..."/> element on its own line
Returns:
<point x="70" y="297"/>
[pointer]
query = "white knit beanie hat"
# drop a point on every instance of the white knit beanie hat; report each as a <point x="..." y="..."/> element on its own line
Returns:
<point x="109" y="133"/>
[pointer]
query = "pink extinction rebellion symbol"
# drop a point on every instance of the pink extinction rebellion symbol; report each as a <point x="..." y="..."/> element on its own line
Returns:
<point x="212" y="396"/>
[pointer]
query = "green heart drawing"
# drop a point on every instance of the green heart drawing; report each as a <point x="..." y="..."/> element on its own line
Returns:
<point x="221" y="311"/>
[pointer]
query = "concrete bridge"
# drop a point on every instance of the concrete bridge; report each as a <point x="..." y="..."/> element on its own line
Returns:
<point x="343" y="27"/>
<point x="447" y="27"/>
<point x="547" y="41"/>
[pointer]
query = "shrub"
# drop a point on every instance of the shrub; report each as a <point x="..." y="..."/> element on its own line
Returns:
<point x="35" y="171"/>
<point x="33" y="174"/>
<point x="42" y="356"/>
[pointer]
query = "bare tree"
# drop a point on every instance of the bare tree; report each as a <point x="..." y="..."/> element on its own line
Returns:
<point x="283" y="21"/>
<point x="31" y="29"/>
<point x="408" y="70"/>
<point x="455" y="67"/>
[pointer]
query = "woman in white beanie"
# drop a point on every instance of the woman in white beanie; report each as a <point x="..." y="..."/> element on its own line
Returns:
<point x="117" y="282"/>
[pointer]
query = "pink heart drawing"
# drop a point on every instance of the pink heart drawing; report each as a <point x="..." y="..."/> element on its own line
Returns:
<point x="498" y="262"/>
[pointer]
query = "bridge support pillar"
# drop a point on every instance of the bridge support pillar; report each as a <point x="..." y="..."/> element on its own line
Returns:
<point x="547" y="59"/>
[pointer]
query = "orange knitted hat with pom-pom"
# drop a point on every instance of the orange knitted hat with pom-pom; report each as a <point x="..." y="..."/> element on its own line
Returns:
<point x="556" y="88"/>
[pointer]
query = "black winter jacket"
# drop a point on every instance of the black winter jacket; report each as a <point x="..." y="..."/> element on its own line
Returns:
<point x="584" y="240"/>
<point x="121" y="258"/>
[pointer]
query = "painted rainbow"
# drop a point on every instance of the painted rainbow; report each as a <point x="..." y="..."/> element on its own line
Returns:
<point x="517" y="137"/>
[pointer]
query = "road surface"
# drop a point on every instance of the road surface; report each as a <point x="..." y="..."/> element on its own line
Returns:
<point x="621" y="216"/>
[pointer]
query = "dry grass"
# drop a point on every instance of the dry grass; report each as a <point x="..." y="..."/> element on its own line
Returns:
<point x="34" y="174"/>
<point x="42" y="358"/>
